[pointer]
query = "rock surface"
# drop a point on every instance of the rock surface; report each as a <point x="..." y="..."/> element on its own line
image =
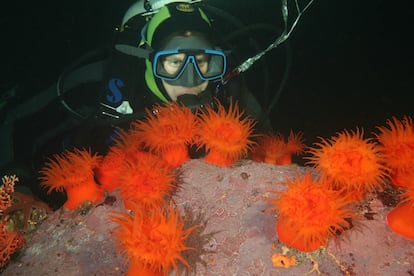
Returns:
<point x="237" y="237"/>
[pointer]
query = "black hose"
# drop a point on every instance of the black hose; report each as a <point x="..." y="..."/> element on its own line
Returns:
<point x="242" y="29"/>
<point x="96" y="54"/>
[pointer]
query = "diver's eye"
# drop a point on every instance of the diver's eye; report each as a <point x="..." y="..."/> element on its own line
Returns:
<point x="173" y="63"/>
<point x="202" y="63"/>
<point x="201" y="59"/>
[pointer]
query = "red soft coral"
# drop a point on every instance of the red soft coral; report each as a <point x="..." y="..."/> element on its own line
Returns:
<point x="152" y="239"/>
<point x="309" y="213"/>
<point x="6" y="191"/>
<point x="10" y="242"/>
<point x="167" y="130"/>
<point x="350" y="162"/>
<point x="397" y="142"/>
<point x="146" y="181"/>
<point x="225" y="134"/>
<point x="273" y="149"/>
<point x="73" y="171"/>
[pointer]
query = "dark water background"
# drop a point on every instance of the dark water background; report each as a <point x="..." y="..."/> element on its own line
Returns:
<point x="352" y="61"/>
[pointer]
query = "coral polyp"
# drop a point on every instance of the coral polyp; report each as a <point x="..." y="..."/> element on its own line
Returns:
<point x="73" y="172"/>
<point x="349" y="162"/>
<point x="110" y="169"/>
<point x="309" y="212"/>
<point x="146" y="181"/>
<point x="400" y="219"/>
<point x="153" y="239"/>
<point x="225" y="134"/>
<point x="167" y="130"/>
<point x="397" y="140"/>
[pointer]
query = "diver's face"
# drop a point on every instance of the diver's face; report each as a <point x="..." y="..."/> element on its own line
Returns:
<point x="175" y="91"/>
<point x="173" y="63"/>
<point x="189" y="81"/>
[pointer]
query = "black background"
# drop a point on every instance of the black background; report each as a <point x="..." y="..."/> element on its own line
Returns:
<point x="351" y="60"/>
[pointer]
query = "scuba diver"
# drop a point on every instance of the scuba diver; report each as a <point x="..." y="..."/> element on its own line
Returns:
<point x="164" y="51"/>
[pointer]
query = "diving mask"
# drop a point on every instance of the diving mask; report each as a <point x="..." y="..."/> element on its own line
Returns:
<point x="189" y="66"/>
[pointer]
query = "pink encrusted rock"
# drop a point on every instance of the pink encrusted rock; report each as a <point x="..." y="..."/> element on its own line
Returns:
<point x="237" y="238"/>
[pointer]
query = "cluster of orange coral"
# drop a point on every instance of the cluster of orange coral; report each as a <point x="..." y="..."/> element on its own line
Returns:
<point x="142" y="160"/>
<point x="132" y="162"/>
<point x="349" y="166"/>
<point x="141" y="164"/>
<point x="153" y="237"/>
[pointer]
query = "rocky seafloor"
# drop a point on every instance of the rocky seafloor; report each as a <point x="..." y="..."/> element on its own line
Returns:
<point x="237" y="238"/>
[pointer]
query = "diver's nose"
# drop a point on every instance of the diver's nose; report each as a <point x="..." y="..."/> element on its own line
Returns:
<point x="190" y="77"/>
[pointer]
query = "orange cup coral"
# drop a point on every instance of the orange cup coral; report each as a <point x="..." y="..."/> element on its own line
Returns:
<point x="402" y="178"/>
<point x="152" y="239"/>
<point x="400" y="219"/>
<point x="129" y="141"/>
<point x="146" y="181"/>
<point x="110" y="169"/>
<point x="349" y="162"/>
<point x="73" y="171"/>
<point x="225" y="134"/>
<point x="128" y="148"/>
<point x="309" y="213"/>
<point x="397" y="142"/>
<point x="273" y="149"/>
<point x="168" y="130"/>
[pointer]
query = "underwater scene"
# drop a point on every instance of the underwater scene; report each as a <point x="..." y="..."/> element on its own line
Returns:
<point x="310" y="174"/>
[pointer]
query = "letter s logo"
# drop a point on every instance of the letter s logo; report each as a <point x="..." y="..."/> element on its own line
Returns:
<point x="114" y="94"/>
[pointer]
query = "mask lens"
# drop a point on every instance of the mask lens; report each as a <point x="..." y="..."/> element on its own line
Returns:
<point x="170" y="64"/>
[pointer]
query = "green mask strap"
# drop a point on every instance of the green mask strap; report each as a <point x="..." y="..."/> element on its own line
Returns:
<point x="152" y="85"/>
